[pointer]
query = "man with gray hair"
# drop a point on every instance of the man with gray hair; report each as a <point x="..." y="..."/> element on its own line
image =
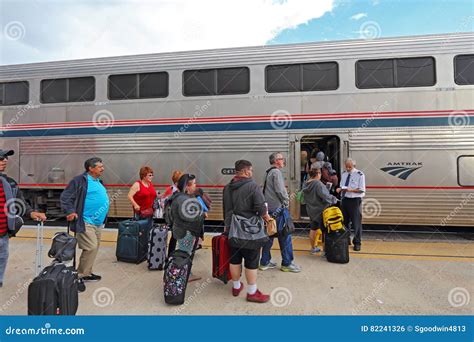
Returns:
<point x="278" y="202"/>
<point x="86" y="204"/>
<point x="352" y="190"/>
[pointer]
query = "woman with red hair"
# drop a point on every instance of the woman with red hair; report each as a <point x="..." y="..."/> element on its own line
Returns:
<point x="142" y="194"/>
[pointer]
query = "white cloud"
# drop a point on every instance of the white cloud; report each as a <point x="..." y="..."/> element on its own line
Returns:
<point x="359" y="16"/>
<point x="96" y="29"/>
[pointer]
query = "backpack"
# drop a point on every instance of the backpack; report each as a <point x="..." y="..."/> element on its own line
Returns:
<point x="167" y="215"/>
<point x="333" y="219"/>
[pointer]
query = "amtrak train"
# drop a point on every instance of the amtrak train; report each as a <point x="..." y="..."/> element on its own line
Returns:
<point x="403" y="108"/>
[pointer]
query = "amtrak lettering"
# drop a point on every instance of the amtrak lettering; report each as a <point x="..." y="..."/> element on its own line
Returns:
<point x="401" y="170"/>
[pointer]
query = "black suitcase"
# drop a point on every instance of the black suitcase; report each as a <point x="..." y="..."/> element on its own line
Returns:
<point x="336" y="246"/>
<point x="54" y="291"/>
<point x="132" y="240"/>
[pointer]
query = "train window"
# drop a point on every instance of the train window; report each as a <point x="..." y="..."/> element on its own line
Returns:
<point x="282" y="78"/>
<point x="375" y="74"/>
<point x="153" y="85"/>
<point x="415" y="72"/>
<point x="123" y="87"/>
<point x="301" y="77"/>
<point x="199" y="82"/>
<point x="225" y="81"/>
<point x="81" y="89"/>
<point x="320" y="76"/>
<point x="395" y="73"/>
<point x="464" y="69"/>
<point x="14" y="93"/>
<point x="233" y="81"/>
<point x="466" y="170"/>
<point x="78" y="89"/>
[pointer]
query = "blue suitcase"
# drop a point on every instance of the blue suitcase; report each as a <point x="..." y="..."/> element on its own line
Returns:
<point x="132" y="240"/>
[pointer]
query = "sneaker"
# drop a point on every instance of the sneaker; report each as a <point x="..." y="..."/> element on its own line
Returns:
<point x="1" y="284"/>
<point x="81" y="287"/>
<point x="291" y="268"/>
<point x="270" y="265"/>
<point x="258" y="297"/>
<point x="92" y="277"/>
<point x="315" y="250"/>
<point x="357" y="248"/>
<point x="236" y="292"/>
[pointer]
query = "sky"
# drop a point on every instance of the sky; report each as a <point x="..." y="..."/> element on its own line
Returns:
<point x="47" y="30"/>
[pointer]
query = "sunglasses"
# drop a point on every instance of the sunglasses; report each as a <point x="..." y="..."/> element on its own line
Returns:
<point x="3" y="158"/>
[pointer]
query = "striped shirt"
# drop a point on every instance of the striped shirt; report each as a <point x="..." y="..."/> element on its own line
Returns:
<point x="3" y="214"/>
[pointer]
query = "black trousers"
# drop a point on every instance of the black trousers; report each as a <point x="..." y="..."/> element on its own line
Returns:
<point x="351" y="209"/>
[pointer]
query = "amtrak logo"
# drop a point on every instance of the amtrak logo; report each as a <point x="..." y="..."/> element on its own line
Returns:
<point x="401" y="170"/>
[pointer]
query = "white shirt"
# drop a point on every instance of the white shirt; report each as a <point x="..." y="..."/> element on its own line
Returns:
<point x="356" y="181"/>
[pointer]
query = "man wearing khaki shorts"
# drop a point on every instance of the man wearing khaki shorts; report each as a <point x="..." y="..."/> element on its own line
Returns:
<point x="86" y="204"/>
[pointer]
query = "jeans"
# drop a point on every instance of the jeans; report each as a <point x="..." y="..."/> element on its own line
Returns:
<point x="3" y="255"/>
<point x="286" y="247"/>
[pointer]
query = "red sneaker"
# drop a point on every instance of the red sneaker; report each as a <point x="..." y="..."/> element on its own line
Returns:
<point x="236" y="292"/>
<point x="258" y="297"/>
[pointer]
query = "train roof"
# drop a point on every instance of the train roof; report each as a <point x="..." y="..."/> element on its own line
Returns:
<point x="266" y="54"/>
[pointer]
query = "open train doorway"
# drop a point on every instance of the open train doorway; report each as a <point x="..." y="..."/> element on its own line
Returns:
<point x="309" y="147"/>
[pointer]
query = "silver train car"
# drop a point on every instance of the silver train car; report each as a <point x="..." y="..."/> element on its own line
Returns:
<point x="403" y="108"/>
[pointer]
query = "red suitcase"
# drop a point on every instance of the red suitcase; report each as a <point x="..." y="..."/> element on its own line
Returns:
<point x="220" y="258"/>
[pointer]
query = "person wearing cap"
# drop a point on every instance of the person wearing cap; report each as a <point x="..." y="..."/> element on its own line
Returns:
<point x="317" y="198"/>
<point x="328" y="174"/>
<point x="86" y="204"/>
<point x="352" y="190"/>
<point x="9" y="222"/>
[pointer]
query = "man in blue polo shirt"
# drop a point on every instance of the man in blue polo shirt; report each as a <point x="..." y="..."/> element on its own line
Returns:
<point x="86" y="204"/>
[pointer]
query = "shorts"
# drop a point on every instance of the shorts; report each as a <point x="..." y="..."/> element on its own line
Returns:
<point x="251" y="257"/>
<point x="317" y="223"/>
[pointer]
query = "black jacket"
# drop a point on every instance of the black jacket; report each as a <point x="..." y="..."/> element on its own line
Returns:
<point x="187" y="215"/>
<point x="73" y="199"/>
<point x="244" y="197"/>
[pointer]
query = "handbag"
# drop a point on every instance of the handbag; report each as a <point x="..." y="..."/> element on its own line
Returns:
<point x="271" y="227"/>
<point x="247" y="233"/>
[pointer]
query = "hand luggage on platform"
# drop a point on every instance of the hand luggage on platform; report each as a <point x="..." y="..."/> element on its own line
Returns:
<point x="176" y="275"/>
<point x="221" y="258"/>
<point x="157" y="247"/>
<point x="54" y="290"/>
<point x="132" y="240"/>
<point x="336" y="246"/>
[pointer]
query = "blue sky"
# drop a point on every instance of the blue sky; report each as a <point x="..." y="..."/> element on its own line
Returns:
<point x="389" y="18"/>
<point x="47" y="30"/>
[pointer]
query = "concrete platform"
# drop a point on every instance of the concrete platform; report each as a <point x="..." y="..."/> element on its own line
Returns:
<point x="421" y="277"/>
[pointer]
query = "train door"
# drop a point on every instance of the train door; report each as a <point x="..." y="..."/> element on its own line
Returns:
<point x="305" y="149"/>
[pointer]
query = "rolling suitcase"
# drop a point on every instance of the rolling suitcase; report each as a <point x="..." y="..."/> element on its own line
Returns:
<point x="176" y="276"/>
<point x="54" y="290"/>
<point x="157" y="247"/>
<point x="132" y="240"/>
<point x="336" y="246"/>
<point x="221" y="258"/>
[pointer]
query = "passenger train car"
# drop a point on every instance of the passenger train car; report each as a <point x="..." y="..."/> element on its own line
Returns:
<point x="403" y="108"/>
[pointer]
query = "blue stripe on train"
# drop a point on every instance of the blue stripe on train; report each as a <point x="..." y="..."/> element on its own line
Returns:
<point x="242" y="126"/>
